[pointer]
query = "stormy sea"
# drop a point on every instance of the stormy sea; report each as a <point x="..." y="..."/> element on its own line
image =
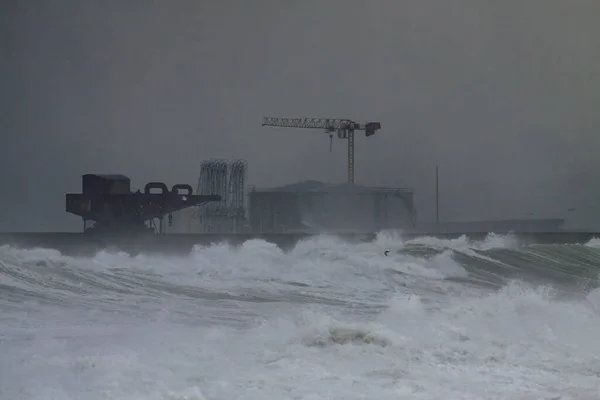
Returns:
<point x="432" y="319"/>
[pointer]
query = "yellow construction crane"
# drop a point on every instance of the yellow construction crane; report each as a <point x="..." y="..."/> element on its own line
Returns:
<point x="344" y="127"/>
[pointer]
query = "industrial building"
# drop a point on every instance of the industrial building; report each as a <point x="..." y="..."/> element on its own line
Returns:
<point x="308" y="206"/>
<point x="313" y="206"/>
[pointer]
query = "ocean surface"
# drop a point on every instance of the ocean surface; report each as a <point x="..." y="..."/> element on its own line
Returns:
<point x="434" y="319"/>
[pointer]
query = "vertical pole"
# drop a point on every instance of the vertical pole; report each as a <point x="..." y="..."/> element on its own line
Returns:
<point x="330" y="160"/>
<point x="351" y="156"/>
<point x="437" y="195"/>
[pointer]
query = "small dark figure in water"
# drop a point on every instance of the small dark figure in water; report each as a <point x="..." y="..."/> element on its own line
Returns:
<point x="386" y="252"/>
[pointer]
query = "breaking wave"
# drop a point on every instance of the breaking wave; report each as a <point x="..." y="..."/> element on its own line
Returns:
<point x="432" y="319"/>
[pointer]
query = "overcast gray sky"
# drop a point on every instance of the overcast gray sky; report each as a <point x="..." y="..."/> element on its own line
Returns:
<point x="503" y="95"/>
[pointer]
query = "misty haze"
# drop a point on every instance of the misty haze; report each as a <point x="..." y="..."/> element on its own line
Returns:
<point x="281" y="276"/>
<point x="502" y="95"/>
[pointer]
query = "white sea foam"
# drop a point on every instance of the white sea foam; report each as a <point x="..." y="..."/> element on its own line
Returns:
<point x="328" y="320"/>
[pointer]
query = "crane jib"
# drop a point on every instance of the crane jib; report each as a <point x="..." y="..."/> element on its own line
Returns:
<point x="314" y="123"/>
<point x="344" y="127"/>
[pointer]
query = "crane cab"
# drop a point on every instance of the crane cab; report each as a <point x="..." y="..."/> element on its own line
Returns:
<point x="371" y="128"/>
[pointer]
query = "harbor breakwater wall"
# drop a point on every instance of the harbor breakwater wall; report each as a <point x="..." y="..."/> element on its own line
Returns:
<point x="87" y="244"/>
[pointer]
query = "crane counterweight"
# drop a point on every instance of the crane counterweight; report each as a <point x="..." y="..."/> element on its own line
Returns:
<point x="344" y="127"/>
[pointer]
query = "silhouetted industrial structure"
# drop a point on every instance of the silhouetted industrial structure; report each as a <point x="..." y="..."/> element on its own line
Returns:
<point x="227" y="178"/>
<point x="344" y="127"/>
<point x="107" y="204"/>
<point x="313" y="206"/>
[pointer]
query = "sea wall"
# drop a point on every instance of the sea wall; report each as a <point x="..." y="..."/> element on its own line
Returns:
<point x="79" y="244"/>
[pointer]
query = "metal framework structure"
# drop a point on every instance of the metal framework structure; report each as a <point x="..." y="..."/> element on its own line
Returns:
<point x="344" y="127"/>
<point x="236" y="187"/>
<point x="213" y="179"/>
<point x="226" y="178"/>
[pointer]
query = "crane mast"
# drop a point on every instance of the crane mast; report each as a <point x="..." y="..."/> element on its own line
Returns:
<point x="344" y="127"/>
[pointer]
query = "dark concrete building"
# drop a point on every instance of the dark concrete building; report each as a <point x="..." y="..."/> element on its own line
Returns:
<point x="313" y="206"/>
